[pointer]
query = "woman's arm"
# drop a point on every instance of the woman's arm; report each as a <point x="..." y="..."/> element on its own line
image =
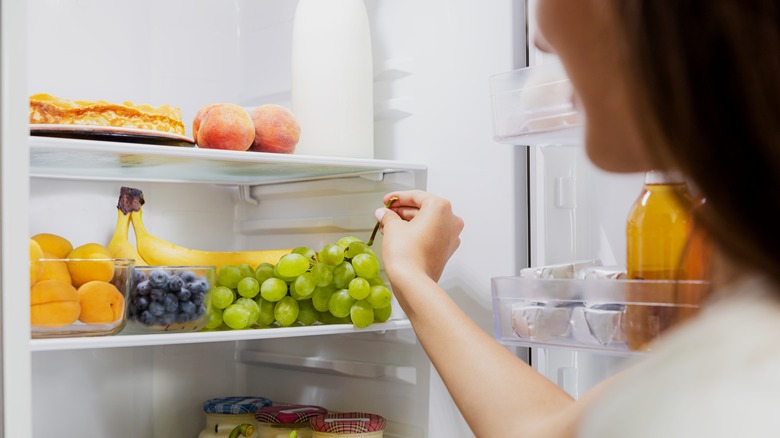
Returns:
<point x="497" y="393"/>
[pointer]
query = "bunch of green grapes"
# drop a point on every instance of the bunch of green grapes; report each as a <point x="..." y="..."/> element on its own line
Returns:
<point x="337" y="285"/>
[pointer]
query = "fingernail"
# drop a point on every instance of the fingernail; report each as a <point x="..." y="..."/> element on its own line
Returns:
<point x="379" y="213"/>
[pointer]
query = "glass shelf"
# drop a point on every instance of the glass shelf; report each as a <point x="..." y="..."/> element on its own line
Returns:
<point x="116" y="161"/>
<point x="607" y="316"/>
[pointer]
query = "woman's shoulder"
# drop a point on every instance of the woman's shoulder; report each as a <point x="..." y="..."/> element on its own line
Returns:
<point x="717" y="376"/>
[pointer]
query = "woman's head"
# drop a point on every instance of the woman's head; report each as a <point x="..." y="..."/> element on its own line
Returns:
<point x="693" y="85"/>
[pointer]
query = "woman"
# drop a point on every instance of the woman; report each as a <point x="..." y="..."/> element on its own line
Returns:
<point x="689" y="85"/>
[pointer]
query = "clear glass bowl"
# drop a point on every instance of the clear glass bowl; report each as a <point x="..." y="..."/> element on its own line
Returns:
<point x="80" y="297"/>
<point x="170" y="298"/>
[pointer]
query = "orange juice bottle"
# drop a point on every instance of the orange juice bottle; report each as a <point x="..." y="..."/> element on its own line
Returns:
<point x="657" y="232"/>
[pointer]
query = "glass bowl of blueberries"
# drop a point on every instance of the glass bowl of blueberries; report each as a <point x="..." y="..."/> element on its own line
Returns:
<point x="170" y="298"/>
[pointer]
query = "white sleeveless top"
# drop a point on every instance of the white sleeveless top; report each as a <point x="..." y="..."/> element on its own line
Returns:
<point x="717" y="376"/>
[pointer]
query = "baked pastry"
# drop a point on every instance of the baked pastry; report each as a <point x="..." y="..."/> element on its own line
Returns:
<point x="47" y="109"/>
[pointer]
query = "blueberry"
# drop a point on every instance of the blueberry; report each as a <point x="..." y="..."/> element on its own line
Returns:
<point x="168" y="319"/>
<point x="183" y="317"/>
<point x="198" y="286"/>
<point x="187" y="307"/>
<point x="201" y="310"/>
<point x="156" y="308"/>
<point x="139" y="276"/>
<point x="197" y="298"/>
<point x="184" y="294"/>
<point x="143" y="287"/>
<point x="158" y="279"/>
<point x="188" y="276"/>
<point x="171" y="303"/>
<point x="141" y="302"/>
<point x="157" y="295"/>
<point x="175" y="284"/>
<point x="147" y="317"/>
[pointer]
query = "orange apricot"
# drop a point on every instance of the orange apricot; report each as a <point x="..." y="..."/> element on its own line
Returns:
<point x="101" y="303"/>
<point x="36" y="269"/>
<point x="53" y="303"/>
<point x="83" y="271"/>
<point x="54" y="269"/>
<point x="59" y="246"/>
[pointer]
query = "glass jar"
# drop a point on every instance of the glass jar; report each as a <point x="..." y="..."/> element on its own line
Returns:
<point x="226" y="413"/>
<point x="348" y="425"/>
<point x="277" y="421"/>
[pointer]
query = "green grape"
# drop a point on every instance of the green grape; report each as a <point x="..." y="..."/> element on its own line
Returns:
<point x="359" y="288"/>
<point x="370" y="250"/>
<point x="323" y="274"/>
<point x="263" y="272"/>
<point x="343" y="274"/>
<point x="254" y="309"/>
<point x="273" y="289"/>
<point x="340" y="303"/>
<point x="266" y="317"/>
<point x="215" y="319"/>
<point x="328" y="318"/>
<point x="379" y="297"/>
<point x="366" y="265"/>
<point x="282" y="277"/>
<point x="331" y="254"/>
<point x="376" y="281"/>
<point x="321" y="297"/>
<point x="222" y="297"/>
<point x="246" y="270"/>
<point x="354" y="249"/>
<point x="286" y="311"/>
<point x="382" y="314"/>
<point x="229" y="276"/>
<point x="362" y="314"/>
<point x="344" y="242"/>
<point x="292" y="265"/>
<point x="307" y="252"/>
<point x="304" y="285"/>
<point x="294" y="293"/>
<point x="248" y="287"/>
<point x="236" y="316"/>
<point x="307" y="315"/>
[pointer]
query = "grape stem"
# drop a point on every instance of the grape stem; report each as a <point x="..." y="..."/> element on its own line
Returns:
<point x="376" y="227"/>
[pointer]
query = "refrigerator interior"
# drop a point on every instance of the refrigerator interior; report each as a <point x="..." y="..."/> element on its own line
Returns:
<point x="190" y="54"/>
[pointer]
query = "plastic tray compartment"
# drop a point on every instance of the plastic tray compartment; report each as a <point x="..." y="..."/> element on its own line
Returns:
<point x="533" y="105"/>
<point x="619" y="316"/>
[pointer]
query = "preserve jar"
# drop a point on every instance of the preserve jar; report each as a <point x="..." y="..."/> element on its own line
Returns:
<point x="277" y="421"/>
<point x="348" y="425"/>
<point x="225" y="414"/>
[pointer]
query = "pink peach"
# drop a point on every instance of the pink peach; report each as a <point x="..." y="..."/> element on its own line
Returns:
<point x="276" y="129"/>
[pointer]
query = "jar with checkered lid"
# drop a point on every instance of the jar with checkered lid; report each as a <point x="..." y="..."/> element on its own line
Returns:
<point x="277" y="421"/>
<point x="348" y="425"/>
<point x="225" y="415"/>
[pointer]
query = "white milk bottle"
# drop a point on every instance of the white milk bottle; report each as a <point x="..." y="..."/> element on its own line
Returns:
<point x="332" y="78"/>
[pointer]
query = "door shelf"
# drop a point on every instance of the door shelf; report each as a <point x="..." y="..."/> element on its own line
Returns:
<point x="122" y="340"/>
<point x="610" y="316"/>
<point x="116" y="161"/>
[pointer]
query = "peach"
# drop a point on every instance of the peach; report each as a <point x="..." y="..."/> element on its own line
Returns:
<point x="101" y="303"/>
<point x="53" y="303"/>
<point x="223" y="126"/>
<point x="276" y="129"/>
<point x="83" y="271"/>
<point x="54" y="269"/>
<point x="36" y="268"/>
<point x="56" y="245"/>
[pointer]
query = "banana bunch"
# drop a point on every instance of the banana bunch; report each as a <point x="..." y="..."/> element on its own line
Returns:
<point x="151" y="250"/>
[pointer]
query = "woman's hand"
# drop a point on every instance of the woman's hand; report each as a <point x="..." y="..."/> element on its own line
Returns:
<point x="420" y="234"/>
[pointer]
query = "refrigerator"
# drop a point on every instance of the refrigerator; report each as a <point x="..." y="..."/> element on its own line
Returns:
<point x="524" y="203"/>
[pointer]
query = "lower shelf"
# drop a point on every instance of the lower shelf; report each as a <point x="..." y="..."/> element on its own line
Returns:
<point x="122" y="340"/>
<point x="609" y="316"/>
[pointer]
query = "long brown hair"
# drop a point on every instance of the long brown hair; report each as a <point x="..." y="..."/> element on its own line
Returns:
<point x="706" y="73"/>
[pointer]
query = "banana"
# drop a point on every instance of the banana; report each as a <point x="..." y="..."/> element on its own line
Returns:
<point x="160" y="252"/>
<point x="120" y="246"/>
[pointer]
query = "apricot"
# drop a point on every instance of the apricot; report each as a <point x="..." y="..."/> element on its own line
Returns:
<point x="223" y="126"/>
<point x="56" y="245"/>
<point x="83" y="271"/>
<point x="53" y="303"/>
<point x="276" y="129"/>
<point x="101" y="303"/>
<point x="54" y="269"/>
<point x="36" y="268"/>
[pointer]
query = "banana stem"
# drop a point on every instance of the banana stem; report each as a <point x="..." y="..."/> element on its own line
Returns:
<point x="130" y="199"/>
<point x="376" y="227"/>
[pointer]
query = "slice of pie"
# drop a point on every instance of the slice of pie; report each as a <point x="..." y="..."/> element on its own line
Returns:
<point x="47" y="109"/>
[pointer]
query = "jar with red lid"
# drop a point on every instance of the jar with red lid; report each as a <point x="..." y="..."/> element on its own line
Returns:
<point x="348" y="425"/>
<point x="277" y="421"/>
